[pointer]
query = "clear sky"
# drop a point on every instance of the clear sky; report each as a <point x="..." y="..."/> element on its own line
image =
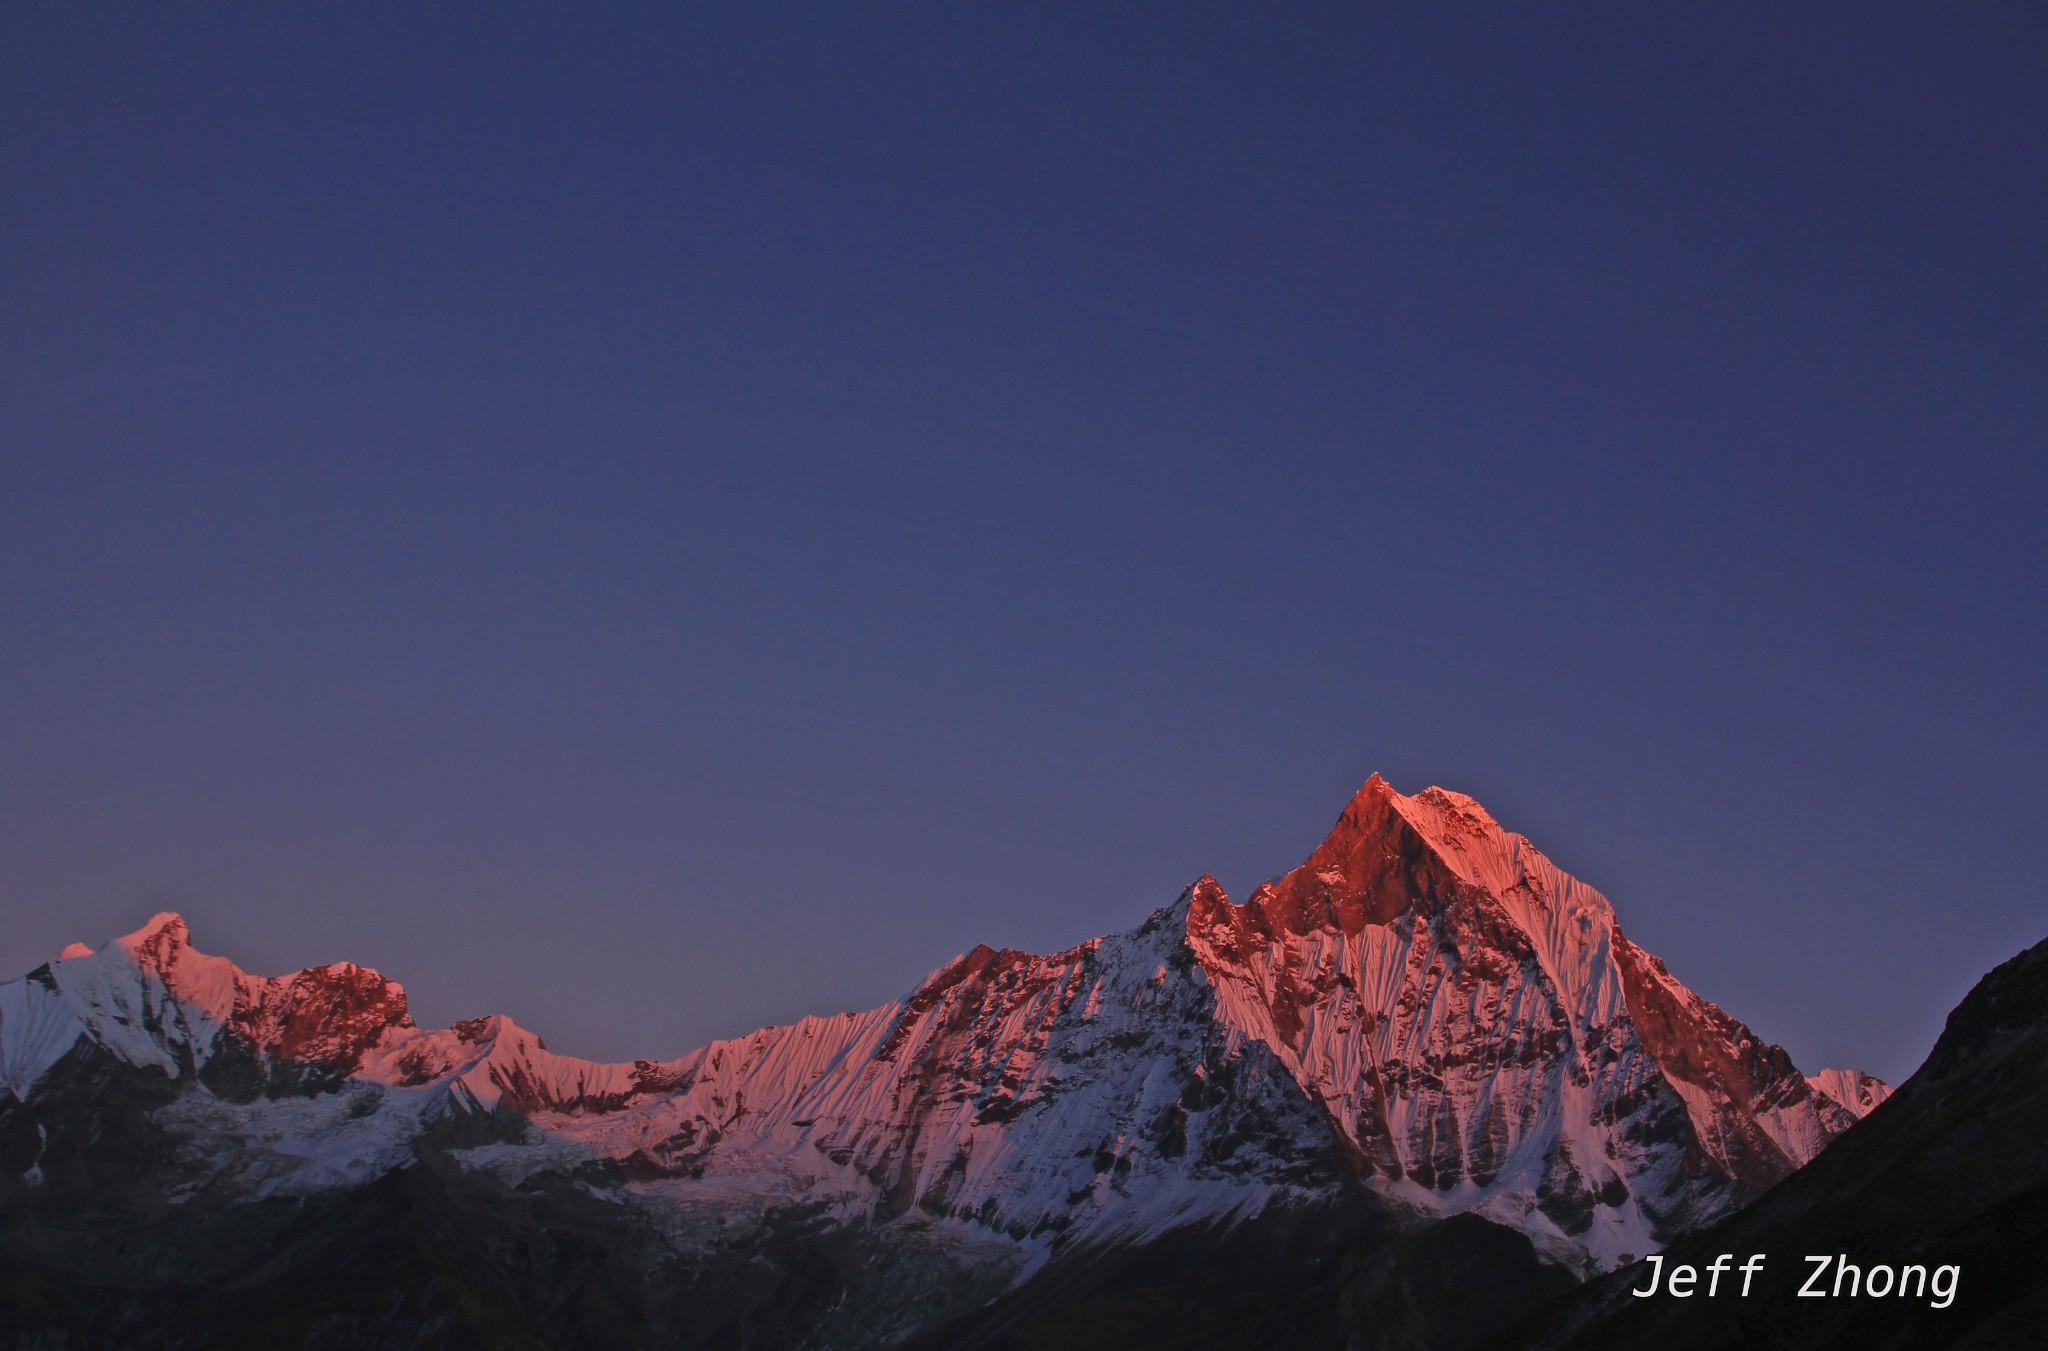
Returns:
<point x="659" y="523"/>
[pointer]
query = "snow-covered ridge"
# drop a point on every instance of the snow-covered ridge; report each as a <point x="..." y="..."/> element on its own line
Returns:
<point x="157" y="1002"/>
<point x="1427" y="1005"/>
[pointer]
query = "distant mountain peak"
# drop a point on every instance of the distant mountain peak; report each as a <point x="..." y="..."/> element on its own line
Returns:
<point x="1854" y="1089"/>
<point x="159" y="938"/>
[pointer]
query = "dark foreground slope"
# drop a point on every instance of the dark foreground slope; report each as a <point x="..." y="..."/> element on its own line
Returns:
<point x="431" y="1257"/>
<point x="438" y="1257"/>
<point x="1308" y="1286"/>
<point x="1953" y="1170"/>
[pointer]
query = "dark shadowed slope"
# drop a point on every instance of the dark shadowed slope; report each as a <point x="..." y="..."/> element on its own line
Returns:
<point x="1952" y="1169"/>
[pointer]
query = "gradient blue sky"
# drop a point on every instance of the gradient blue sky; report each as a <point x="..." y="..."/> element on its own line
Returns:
<point x="660" y="523"/>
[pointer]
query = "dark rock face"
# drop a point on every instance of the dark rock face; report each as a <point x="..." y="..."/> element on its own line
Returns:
<point x="325" y="1017"/>
<point x="1951" y="1169"/>
<point x="85" y="1130"/>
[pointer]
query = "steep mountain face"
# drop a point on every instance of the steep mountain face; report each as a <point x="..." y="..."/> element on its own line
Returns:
<point x="1426" y="1018"/>
<point x="1477" y="1026"/>
<point x="1952" y="1171"/>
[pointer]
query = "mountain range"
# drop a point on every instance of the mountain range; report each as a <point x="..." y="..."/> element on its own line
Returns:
<point x="1424" y="1062"/>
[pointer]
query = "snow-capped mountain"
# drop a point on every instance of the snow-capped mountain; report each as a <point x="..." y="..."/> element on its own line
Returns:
<point x="1426" y="1012"/>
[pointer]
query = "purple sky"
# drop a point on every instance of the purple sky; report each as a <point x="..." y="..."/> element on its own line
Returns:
<point x="660" y="525"/>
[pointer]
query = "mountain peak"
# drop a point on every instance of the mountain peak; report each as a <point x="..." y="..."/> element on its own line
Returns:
<point x="158" y="945"/>
<point x="1450" y="821"/>
<point x="1367" y="804"/>
<point x="1372" y="865"/>
<point x="164" y="927"/>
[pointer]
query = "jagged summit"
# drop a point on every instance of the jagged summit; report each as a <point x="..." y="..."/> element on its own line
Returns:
<point x="162" y="934"/>
<point x="1426" y="1008"/>
<point x="1370" y="867"/>
<point x="163" y="921"/>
